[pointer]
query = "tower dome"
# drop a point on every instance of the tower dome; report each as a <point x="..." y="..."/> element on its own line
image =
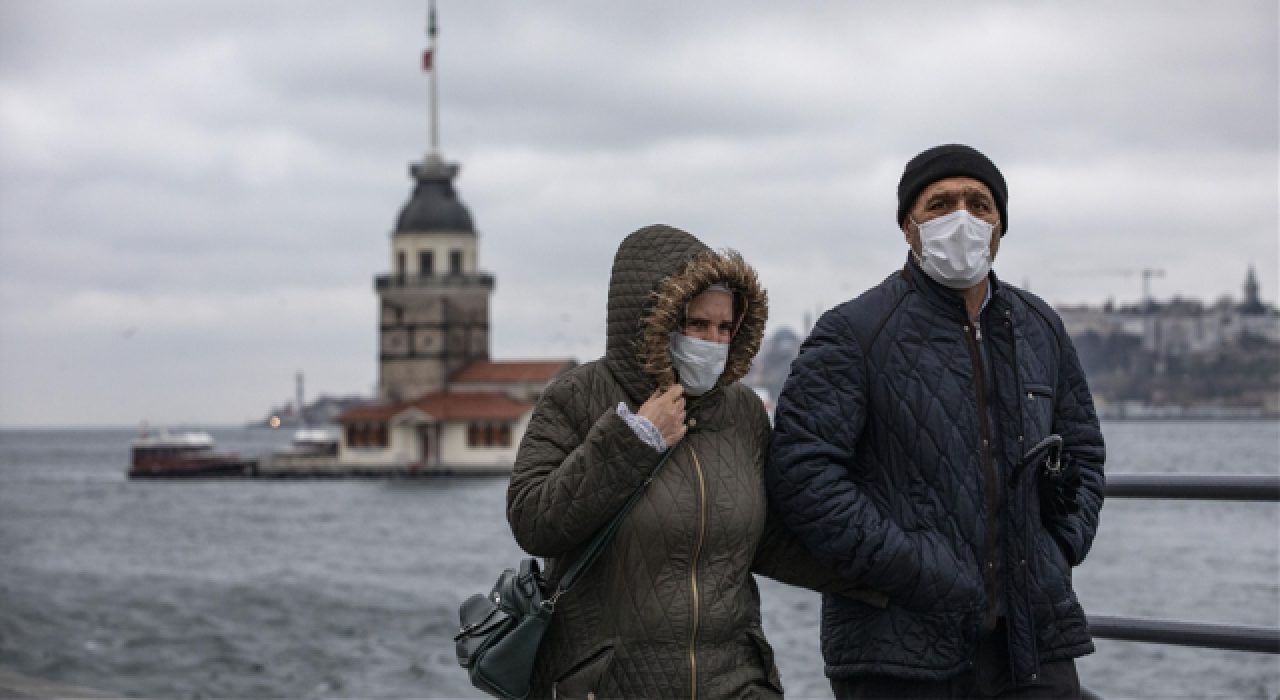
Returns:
<point x="434" y="205"/>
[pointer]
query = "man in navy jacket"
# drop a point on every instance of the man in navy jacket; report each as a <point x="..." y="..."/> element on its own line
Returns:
<point x="898" y="458"/>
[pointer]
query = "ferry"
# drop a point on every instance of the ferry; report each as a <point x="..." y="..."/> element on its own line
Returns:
<point x="185" y="455"/>
<point x="314" y="442"/>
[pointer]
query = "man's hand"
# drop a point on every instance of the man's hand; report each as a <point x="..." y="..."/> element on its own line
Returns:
<point x="940" y="584"/>
<point x="665" y="409"/>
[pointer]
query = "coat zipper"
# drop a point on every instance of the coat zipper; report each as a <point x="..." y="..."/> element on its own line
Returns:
<point x="973" y="334"/>
<point x="693" y="570"/>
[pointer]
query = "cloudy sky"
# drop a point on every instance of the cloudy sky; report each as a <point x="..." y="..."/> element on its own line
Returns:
<point x="195" y="197"/>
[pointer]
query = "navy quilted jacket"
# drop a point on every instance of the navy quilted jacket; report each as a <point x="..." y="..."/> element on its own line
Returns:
<point x="886" y="465"/>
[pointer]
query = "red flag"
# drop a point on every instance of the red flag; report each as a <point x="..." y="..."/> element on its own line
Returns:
<point x="426" y="60"/>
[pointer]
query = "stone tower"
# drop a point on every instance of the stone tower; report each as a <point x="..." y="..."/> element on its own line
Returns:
<point x="434" y="306"/>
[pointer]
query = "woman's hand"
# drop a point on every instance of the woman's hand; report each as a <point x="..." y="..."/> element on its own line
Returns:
<point x="665" y="409"/>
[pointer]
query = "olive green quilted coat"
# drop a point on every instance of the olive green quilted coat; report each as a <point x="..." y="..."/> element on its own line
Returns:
<point x="670" y="610"/>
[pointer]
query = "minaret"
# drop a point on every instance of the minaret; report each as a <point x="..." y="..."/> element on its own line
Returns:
<point x="434" y="316"/>
<point x="302" y="419"/>
<point x="1252" y="304"/>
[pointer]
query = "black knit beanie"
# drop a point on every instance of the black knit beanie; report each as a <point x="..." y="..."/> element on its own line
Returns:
<point x="953" y="160"/>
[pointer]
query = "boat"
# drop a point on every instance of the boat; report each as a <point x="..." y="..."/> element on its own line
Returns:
<point x="314" y="442"/>
<point x="185" y="455"/>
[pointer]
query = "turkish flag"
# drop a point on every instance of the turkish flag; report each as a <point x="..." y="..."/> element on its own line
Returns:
<point x="426" y="60"/>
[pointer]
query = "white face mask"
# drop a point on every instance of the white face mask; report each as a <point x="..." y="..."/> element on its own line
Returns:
<point x="955" y="250"/>
<point x="698" y="362"/>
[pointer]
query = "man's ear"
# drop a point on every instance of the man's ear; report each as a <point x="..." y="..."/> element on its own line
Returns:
<point x="911" y="237"/>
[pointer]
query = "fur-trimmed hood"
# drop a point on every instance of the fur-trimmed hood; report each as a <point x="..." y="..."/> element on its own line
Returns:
<point x="656" y="272"/>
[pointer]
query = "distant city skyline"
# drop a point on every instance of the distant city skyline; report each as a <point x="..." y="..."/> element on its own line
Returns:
<point x="195" y="197"/>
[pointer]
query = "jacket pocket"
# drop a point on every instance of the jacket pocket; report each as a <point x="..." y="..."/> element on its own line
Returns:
<point x="1053" y="571"/>
<point x="1037" y="402"/>
<point x="1038" y="391"/>
<point x="582" y="682"/>
<point x="766" y="657"/>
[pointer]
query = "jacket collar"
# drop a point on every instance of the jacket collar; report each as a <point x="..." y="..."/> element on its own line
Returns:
<point x="942" y="296"/>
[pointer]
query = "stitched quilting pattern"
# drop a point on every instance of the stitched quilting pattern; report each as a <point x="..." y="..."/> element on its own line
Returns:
<point x="877" y="465"/>
<point x="579" y="462"/>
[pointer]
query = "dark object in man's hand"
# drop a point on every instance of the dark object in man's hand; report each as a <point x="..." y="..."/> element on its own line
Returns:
<point x="1059" y="484"/>
<point x="1057" y="478"/>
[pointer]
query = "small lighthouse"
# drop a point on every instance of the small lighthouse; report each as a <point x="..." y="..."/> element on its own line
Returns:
<point x="434" y="311"/>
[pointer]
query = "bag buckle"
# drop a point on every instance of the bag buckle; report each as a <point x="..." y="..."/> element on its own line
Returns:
<point x="550" y="603"/>
<point x="1052" y="466"/>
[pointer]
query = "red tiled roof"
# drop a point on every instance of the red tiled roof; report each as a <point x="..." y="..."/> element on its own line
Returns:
<point x="489" y="372"/>
<point x="445" y="406"/>
<point x="370" y="413"/>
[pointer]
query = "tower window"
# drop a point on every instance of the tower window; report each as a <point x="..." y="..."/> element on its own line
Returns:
<point x="455" y="262"/>
<point x="426" y="263"/>
<point x="400" y="264"/>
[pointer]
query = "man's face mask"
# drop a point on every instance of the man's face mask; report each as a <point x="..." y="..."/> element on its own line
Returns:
<point x="955" y="250"/>
<point x="699" y="363"/>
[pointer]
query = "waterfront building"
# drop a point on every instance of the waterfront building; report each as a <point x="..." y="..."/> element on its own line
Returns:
<point x="434" y="305"/>
<point x="443" y="403"/>
<point x="1181" y="327"/>
<point x="474" y="425"/>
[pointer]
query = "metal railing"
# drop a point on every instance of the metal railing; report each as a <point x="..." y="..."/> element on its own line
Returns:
<point x="1200" y="487"/>
<point x="1188" y="486"/>
<point x="1264" y="640"/>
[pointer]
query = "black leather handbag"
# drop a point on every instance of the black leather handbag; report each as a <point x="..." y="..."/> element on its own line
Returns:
<point x="500" y="632"/>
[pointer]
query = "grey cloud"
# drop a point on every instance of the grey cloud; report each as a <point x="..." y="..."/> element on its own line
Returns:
<point x="212" y="172"/>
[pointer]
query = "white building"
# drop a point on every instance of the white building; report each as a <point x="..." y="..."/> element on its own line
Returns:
<point x="473" y="426"/>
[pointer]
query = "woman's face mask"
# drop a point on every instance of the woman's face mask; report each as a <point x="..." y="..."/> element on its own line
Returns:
<point x="702" y="350"/>
<point x="699" y="363"/>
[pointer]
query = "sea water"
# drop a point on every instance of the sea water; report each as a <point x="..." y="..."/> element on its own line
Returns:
<point x="338" y="589"/>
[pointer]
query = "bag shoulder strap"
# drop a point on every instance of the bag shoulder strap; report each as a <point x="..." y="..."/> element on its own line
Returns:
<point x="602" y="538"/>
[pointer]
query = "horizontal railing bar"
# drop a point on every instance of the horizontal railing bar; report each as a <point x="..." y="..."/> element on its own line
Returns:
<point x="1206" y="487"/>
<point x="1265" y="640"/>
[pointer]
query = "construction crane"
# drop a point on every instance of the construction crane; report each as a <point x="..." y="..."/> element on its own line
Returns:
<point x="1145" y="272"/>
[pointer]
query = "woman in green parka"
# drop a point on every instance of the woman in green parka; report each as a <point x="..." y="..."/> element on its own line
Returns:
<point x="670" y="609"/>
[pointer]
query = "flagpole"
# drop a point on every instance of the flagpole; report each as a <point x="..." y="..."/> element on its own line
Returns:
<point x="431" y="45"/>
